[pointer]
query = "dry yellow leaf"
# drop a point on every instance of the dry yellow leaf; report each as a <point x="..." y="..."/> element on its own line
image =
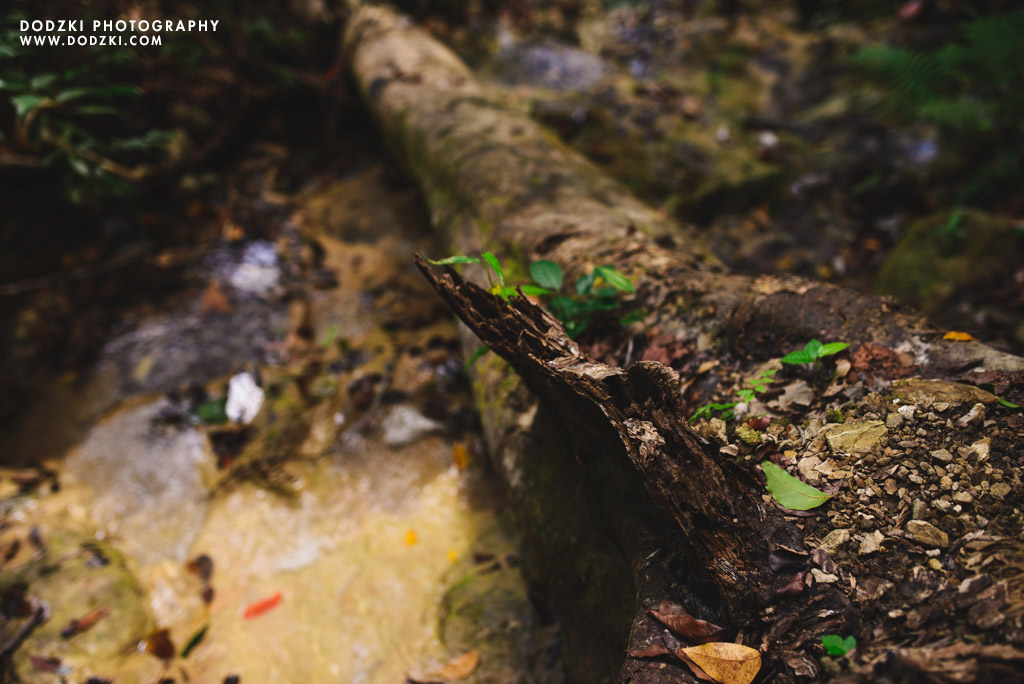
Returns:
<point x="726" y="663"/>
<point x="460" y="454"/>
<point x="461" y="667"/>
<point x="958" y="336"/>
<point x="454" y="670"/>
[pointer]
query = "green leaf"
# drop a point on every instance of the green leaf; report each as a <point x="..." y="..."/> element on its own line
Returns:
<point x="814" y="348"/>
<point x="13" y="82"/>
<point x="546" y="274"/>
<point x="475" y="357"/>
<point x="802" y="356"/>
<point x="615" y="279"/>
<point x="213" y="411"/>
<point x="79" y="165"/>
<point x="194" y="641"/>
<point x="836" y="645"/>
<point x="1007" y="404"/>
<point x="790" y="491"/>
<point x="42" y="81"/>
<point x="585" y="284"/>
<point x="97" y="110"/>
<point x="23" y="104"/>
<point x="455" y="260"/>
<point x="492" y="261"/>
<point x="706" y="410"/>
<point x="332" y="333"/>
<point x="633" y="317"/>
<point x="504" y="292"/>
<point x="832" y="348"/>
<point x="534" y="290"/>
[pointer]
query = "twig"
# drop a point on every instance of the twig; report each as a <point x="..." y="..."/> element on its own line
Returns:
<point x="40" y="614"/>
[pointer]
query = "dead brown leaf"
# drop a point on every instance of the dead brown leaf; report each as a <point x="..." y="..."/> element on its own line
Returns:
<point x="214" y="299"/>
<point x="676" y="618"/>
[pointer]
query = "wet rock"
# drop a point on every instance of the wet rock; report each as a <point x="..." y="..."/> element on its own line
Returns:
<point x="73" y="587"/>
<point x="258" y="273"/>
<point x="856" y="436"/>
<point x="404" y="425"/>
<point x="927" y="534"/>
<point x="147" y="484"/>
<point x="926" y="393"/>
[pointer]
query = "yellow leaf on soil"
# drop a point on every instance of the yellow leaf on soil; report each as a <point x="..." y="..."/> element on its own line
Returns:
<point x="460" y="454"/>
<point x="461" y="667"/>
<point x="958" y="336"/>
<point x="727" y="663"/>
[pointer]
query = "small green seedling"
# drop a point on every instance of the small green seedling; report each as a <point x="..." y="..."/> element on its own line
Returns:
<point x="838" y="646"/>
<point x="758" y="385"/>
<point x="596" y="291"/>
<point x="813" y="352"/>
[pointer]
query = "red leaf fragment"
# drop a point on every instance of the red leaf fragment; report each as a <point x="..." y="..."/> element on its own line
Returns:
<point x="676" y="618"/>
<point x="83" y="623"/>
<point x="262" y="606"/>
<point x="794" y="587"/>
<point x="40" y="664"/>
<point x="759" y="423"/>
<point x="653" y="651"/>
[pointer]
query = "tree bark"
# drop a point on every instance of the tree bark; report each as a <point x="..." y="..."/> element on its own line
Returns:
<point x="495" y="180"/>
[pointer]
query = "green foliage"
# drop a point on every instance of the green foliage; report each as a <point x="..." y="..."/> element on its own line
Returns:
<point x="595" y="292"/>
<point x="970" y="84"/>
<point x="758" y="385"/>
<point x="547" y="274"/>
<point x="1007" y="403"/>
<point x="813" y="351"/>
<point x="837" y="645"/>
<point x="971" y="89"/>
<point x="213" y="411"/>
<point x="73" y="116"/>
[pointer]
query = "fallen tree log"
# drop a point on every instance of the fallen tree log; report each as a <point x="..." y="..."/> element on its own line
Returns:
<point x="606" y="462"/>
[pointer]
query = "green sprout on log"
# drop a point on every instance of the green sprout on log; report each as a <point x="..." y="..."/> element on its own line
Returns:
<point x="595" y="292"/>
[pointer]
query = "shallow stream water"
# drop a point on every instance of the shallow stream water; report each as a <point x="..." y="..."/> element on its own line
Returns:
<point x="321" y="547"/>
